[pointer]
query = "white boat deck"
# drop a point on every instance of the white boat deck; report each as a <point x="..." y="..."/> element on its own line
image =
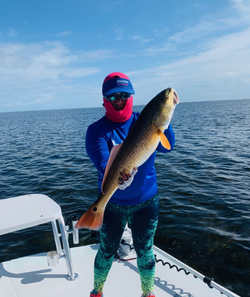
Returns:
<point x="31" y="276"/>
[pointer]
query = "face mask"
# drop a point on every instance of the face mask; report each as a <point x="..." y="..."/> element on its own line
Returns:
<point x="118" y="116"/>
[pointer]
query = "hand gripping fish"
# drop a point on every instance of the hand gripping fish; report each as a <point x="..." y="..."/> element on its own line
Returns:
<point x="140" y="144"/>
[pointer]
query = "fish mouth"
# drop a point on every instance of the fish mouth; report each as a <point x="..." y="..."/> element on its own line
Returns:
<point x="176" y="97"/>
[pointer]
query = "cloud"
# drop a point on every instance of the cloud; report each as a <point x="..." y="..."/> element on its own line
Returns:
<point x="139" y="38"/>
<point x="118" y="33"/>
<point x="39" y="74"/>
<point x="11" y="33"/>
<point x="199" y="61"/>
<point x="233" y="16"/>
<point x="39" y="61"/>
<point x="64" y="33"/>
<point x="194" y="33"/>
<point x="42" y="98"/>
<point x="80" y="72"/>
<point x="161" y="32"/>
<point x="156" y="50"/>
<point x="227" y="54"/>
<point x="242" y="6"/>
<point x="96" y="55"/>
<point x="197" y="37"/>
<point x="222" y="68"/>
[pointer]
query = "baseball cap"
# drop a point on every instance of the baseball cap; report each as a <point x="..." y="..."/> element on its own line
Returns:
<point x="116" y="82"/>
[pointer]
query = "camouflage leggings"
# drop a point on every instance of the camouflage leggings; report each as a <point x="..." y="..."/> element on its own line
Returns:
<point x="142" y="219"/>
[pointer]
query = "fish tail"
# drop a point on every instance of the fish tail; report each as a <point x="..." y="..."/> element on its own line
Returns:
<point x="92" y="218"/>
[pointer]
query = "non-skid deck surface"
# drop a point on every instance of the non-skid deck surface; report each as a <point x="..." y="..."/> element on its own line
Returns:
<point x="31" y="276"/>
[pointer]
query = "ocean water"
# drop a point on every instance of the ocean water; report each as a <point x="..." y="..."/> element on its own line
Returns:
<point x="204" y="183"/>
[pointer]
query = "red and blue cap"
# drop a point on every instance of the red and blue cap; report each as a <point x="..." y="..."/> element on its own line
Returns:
<point x="117" y="82"/>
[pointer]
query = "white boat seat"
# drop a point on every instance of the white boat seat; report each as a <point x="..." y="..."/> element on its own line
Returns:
<point x="27" y="211"/>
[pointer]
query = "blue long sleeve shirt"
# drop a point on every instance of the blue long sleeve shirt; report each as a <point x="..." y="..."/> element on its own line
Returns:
<point x="101" y="137"/>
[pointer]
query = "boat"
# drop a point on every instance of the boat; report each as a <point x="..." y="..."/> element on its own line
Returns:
<point x="68" y="271"/>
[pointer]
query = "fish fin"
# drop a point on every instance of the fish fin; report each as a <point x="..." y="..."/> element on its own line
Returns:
<point x="114" y="151"/>
<point x="164" y="141"/>
<point x="92" y="218"/>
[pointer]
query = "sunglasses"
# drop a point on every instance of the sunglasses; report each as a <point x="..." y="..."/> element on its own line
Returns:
<point x="123" y="96"/>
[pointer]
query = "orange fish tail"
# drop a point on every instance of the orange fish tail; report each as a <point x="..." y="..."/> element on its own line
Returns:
<point x="91" y="219"/>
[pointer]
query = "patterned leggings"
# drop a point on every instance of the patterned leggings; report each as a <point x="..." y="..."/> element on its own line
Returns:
<point x="142" y="219"/>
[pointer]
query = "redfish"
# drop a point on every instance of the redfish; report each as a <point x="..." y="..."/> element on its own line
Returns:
<point x="139" y="145"/>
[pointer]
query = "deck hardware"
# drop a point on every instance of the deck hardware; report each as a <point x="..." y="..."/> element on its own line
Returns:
<point x="52" y="258"/>
<point x="208" y="281"/>
<point x="73" y="231"/>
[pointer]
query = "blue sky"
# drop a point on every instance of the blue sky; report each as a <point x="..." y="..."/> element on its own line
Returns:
<point x="55" y="54"/>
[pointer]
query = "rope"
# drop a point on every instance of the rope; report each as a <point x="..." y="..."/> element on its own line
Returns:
<point x="172" y="266"/>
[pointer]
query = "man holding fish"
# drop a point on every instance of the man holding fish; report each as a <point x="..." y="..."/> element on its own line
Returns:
<point x="122" y="145"/>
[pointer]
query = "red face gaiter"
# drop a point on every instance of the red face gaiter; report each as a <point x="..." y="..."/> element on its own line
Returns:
<point x="118" y="116"/>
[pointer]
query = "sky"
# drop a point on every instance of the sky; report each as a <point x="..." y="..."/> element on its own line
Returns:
<point x="55" y="54"/>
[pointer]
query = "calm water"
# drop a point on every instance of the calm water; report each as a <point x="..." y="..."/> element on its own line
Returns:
<point x="203" y="184"/>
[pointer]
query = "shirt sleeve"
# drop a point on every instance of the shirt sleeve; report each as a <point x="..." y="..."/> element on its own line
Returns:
<point x="97" y="148"/>
<point x="169" y="132"/>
